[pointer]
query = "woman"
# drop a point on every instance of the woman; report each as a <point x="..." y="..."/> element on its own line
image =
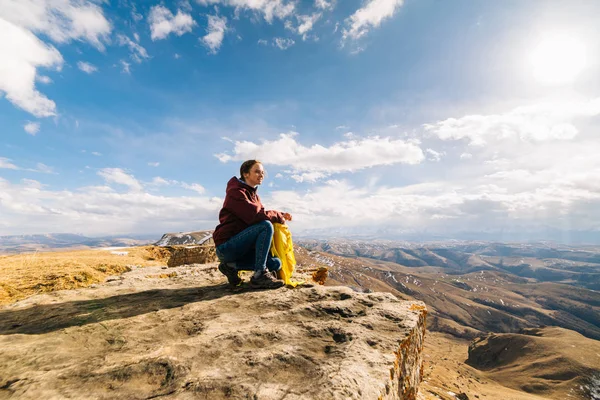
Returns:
<point x="243" y="236"/>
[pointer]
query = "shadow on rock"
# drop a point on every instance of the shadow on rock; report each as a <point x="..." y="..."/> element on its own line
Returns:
<point x="44" y="318"/>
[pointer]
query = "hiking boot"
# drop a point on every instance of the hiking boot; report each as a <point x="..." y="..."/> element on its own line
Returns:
<point x="277" y="275"/>
<point x="265" y="281"/>
<point x="231" y="274"/>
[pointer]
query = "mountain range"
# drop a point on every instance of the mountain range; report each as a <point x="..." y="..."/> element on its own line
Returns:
<point x="473" y="288"/>
<point x="44" y="242"/>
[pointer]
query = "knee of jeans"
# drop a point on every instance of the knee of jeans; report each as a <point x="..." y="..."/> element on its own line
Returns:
<point x="219" y="254"/>
<point x="267" y="225"/>
<point x="274" y="264"/>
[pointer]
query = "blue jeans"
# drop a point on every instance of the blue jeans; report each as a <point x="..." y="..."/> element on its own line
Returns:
<point x="249" y="249"/>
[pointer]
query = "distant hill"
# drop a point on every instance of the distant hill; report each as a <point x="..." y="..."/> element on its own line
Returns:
<point x="544" y="262"/>
<point x="546" y="361"/>
<point x="45" y="242"/>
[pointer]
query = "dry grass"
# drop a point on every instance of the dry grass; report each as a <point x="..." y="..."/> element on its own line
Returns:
<point x="23" y="275"/>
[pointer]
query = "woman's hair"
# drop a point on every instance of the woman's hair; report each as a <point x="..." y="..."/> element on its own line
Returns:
<point x="247" y="166"/>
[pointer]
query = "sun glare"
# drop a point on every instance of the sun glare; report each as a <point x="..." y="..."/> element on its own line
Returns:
<point x="558" y="59"/>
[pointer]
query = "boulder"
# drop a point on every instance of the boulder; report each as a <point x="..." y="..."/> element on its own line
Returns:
<point x="186" y="238"/>
<point x="188" y="335"/>
<point x="185" y="255"/>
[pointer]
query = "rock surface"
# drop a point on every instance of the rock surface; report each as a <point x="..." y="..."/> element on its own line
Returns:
<point x="186" y="238"/>
<point x="183" y="333"/>
<point x="188" y="248"/>
<point x="184" y="255"/>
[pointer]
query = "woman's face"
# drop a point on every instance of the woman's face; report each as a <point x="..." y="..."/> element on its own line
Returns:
<point x="255" y="176"/>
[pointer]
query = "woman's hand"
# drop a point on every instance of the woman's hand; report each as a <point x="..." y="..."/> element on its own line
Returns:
<point x="287" y="216"/>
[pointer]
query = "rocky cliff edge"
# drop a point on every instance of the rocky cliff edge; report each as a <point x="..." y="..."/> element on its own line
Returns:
<point x="183" y="333"/>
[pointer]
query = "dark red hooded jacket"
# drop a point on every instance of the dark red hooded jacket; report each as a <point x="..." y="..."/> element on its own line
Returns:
<point x="241" y="208"/>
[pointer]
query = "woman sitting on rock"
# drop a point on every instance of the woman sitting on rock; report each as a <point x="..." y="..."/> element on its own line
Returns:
<point x="243" y="236"/>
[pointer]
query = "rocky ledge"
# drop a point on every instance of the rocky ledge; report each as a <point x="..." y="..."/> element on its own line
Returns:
<point x="183" y="333"/>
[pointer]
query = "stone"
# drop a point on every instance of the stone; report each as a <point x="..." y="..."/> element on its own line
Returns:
<point x="186" y="238"/>
<point x="194" y="337"/>
<point x="185" y="255"/>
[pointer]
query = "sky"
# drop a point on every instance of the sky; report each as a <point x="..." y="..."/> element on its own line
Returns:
<point x="388" y="118"/>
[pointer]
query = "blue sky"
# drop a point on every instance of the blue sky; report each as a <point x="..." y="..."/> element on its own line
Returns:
<point x="416" y="116"/>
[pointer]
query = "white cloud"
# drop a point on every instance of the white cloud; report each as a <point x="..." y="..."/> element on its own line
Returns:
<point x="357" y="50"/>
<point x="535" y="184"/>
<point x="153" y="164"/>
<point x="262" y="42"/>
<point x="125" y="67"/>
<point x="59" y="20"/>
<point x="540" y="166"/>
<point x="21" y="56"/>
<point x="44" y="169"/>
<point x="268" y="8"/>
<point x="117" y="175"/>
<point x="158" y="181"/>
<point x="215" y="33"/>
<point x="138" y="53"/>
<point x="347" y="156"/>
<point x="7" y="164"/>
<point x="32" y="128"/>
<point x="135" y="15"/>
<point x="537" y="122"/>
<point x="370" y="16"/>
<point x="97" y="154"/>
<point x="43" y="79"/>
<point x="434" y="155"/>
<point x="86" y="67"/>
<point x="309" y="176"/>
<point x="439" y="207"/>
<point x="31" y="207"/>
<point x="32" y="184"/>
<point x="163" y="22"/>
<point x="283" y="43"/>
<point x="324" y="4"/>
<point x="519" y="187"/>
<point x="184" y="5"/>
<point x="306" y="23"/>
<point x="194" y="187"/>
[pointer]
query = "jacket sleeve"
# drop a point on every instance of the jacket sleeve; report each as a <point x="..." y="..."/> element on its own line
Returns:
<point x="248" y="211"/>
